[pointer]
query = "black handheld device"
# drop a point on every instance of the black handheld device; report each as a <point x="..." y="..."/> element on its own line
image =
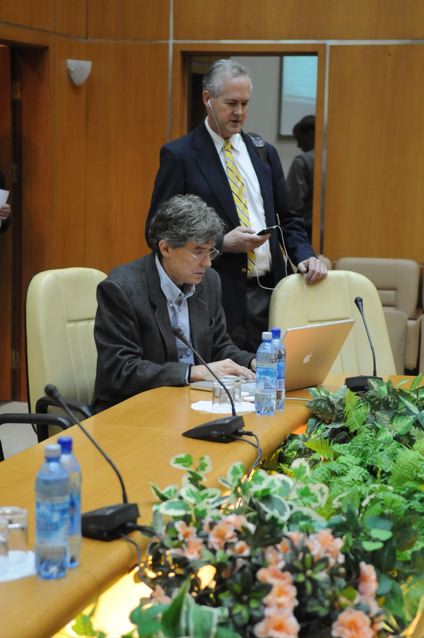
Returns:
<point x="266" y="231"/>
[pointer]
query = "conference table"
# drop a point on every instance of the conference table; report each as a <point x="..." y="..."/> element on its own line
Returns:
<point x="140" y="435"/>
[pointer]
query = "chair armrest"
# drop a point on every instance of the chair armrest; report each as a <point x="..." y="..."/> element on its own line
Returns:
<point x="45" y="402"/>
<point x="37" y="419"/>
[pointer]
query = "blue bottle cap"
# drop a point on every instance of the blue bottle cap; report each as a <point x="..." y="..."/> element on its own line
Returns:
<point x="65" y="443"/>
<point x="276" y="333"/>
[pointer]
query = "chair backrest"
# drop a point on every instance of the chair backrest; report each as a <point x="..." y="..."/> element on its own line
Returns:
<point x="396" y="280"/>
<point x="295" y="303"/>
<point x="60" y="311"/>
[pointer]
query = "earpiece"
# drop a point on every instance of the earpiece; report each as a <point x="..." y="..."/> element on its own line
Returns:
<point x="210" y="105"/>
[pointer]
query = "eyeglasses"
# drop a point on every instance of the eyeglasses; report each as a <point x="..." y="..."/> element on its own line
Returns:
<point x="201" y="253"/>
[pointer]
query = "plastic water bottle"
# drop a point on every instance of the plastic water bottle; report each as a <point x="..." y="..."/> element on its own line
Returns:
<point x="71" y="465"/>
<point x="280" y="351"/>
<point x="52" y="516"/>
<point x="266" y="376"/>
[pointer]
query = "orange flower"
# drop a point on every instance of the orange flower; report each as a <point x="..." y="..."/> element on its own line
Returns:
<point x="282" y="596"/>
<point x="192" y="549"/>
<point x="325" y="545"/>
<point x="368" y="582"/>
<point x="222" y="533"/>
<point x="286" y="546"/>
<point x="278" y="623"/>
<point x="274" y="557"/>
<point x="184" y="531"/>
<point x="239" y="521"/>
<point x="274" y="576"/>
<point x="241" y="549"/>
<point x="352" y="623"/>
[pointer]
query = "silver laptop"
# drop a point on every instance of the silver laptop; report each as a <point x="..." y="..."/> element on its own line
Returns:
<point x="311" y="351"/>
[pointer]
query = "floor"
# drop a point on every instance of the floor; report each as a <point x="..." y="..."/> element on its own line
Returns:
<point x="15" y="437"/>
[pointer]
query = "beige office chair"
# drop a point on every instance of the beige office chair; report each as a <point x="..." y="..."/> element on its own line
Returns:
<point x="60" y="311"/>
<point x="295" y="303"/>
<point x="397" y="282"/>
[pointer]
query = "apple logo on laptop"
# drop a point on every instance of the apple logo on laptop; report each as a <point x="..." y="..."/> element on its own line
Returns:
<point x="307" y="358"/>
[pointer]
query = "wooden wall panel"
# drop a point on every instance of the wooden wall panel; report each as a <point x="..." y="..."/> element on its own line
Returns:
<point x="128" y="19"/>
<point x="298" y="19"/>
<point x="127" y="124"/>
<point x="67" y="216"/>
<point x="28" y="12"/>
<point x="70" y="17"/>
<point x="375" y="167"/>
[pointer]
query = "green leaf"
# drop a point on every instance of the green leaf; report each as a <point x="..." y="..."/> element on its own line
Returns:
<point x="175" y="508"/>
<point x="371" y="546"/>
<point x="416" y="382"/>
<point x="385" y="584"/>
<point x="165" y="494"/>
<point x="83" y="626"/>
<point x="172" y="617"/>
<point x="191" y="494"/>
<point x="381" y="534"/>
<point x="234" y="475"/>
<point x="275" y="507"/>
<point x="403" y="423"/>
<point x="378" y="522"/>
<point x="203" y="621"/>
<point x="322" y="447"/>
<point x="205" y="465"/>
<point x="147" y="620"/>
<point x="411" y="406"/>
<point x="355" y="412"/>
<point x="184" y="461"/>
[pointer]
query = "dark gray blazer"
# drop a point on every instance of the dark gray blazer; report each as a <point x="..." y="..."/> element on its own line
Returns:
<point x="135" y="344"/>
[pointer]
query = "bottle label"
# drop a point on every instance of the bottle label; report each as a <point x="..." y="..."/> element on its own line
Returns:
<point x="75" y="514"/>
<point x="75" y="504"/>
<point x="265" y="379"/>
<point x="52" y="521"/>
<point x="281" y="373"/>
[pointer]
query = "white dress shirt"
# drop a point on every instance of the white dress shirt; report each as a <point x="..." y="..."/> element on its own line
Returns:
<point x="253" y="193"/>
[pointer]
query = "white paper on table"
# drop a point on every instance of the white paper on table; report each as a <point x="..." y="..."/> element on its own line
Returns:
<point x="19" y="565"/>
<point x="223" y="408"/>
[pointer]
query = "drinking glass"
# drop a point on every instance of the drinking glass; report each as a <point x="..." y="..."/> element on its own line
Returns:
<point x="219" y="396"/>
<point x="4" y="547"/>
<point x="17" y="523"/>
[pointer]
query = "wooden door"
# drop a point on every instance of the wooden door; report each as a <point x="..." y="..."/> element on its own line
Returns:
<point x="5" y="237"/>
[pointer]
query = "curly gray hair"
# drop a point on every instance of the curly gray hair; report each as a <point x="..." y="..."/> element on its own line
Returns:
<point x="185" y="218"/>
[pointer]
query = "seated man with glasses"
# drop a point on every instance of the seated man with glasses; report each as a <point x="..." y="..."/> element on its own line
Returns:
<point x="140" y="303"/>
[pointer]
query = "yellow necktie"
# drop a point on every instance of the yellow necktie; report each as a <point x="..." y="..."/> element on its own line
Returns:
<point x="239" y="195"/>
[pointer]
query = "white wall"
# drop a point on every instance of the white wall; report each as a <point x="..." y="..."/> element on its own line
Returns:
<point x="265" y="104"/>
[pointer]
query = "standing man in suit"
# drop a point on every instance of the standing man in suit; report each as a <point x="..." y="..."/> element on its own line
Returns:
<point x="140" y="303"/>
<point x="218" y="162"/>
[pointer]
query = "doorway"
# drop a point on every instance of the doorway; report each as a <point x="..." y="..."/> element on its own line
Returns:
<point x="23" y="74"/>
<point x="285" y="90"/>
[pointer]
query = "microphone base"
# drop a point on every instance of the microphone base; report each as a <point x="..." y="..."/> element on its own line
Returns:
<point x="107" y="523"/>
<point x="360" y="383"/>
<point x="220" y="430"/>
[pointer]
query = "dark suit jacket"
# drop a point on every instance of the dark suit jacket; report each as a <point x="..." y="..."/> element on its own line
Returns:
<point x="191" y="164"/>
<point x="135" y="343"/>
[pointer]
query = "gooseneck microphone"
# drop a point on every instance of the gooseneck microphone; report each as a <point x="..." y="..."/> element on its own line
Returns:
<point x="106" y="523"/>
<point x="221" y="430"/>
<point x="360" y="383"/>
